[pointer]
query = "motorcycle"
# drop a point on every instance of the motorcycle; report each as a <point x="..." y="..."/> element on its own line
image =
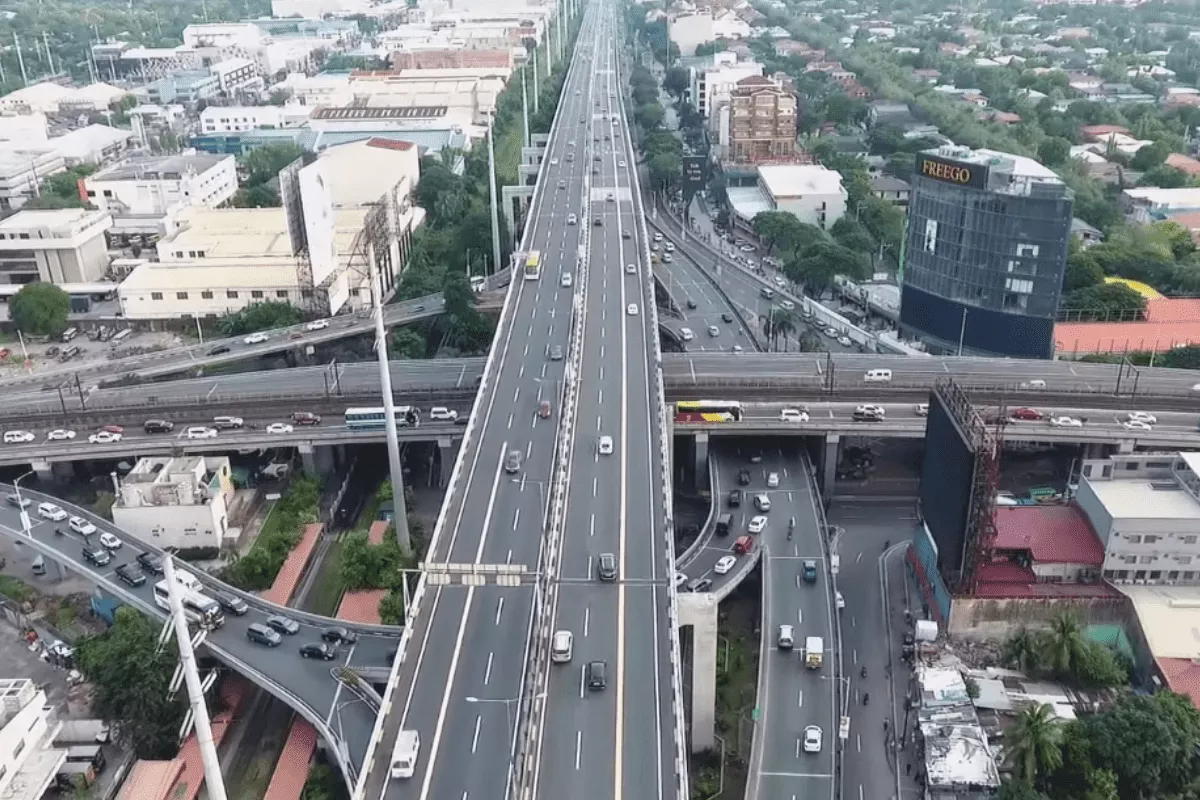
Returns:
<point x="863" y="672"/>
<point x="59" y="532"/>
<point x="866" y="698"/>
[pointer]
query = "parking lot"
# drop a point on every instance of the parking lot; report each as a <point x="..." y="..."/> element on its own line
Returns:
<point x="45" y="356"/>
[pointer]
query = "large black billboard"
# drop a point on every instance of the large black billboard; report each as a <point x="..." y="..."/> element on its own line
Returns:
<point x="946" y="478"/>
<point x="980" y="329"/>
<point x="695" y="175"/>
<point x="947" y="170"/>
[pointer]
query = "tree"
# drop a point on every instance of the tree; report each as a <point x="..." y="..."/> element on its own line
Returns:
<point x="1148" y="742"/>
<point x="1023" y="651"/>
<point x="409" y="343"/>
<point x="784" y="233"/>
<point x="40" y="309"/>
<point x="779" y="323"/>
<point x="1019" y="790"/>
<point x="1065" y="643"/>
<point x="391" y="608"/>
<point x="369" y="566"/>
<point x="1106" y="301"/>
<point x="1034" y="743"/>
<point x="852" y="235"/>
<point x="130" y="678"/>
<point x="821" y="263"/>
<point x="1187" y="357"/>
<point x="1054" y="150"/>
<point x="1082" y="271"/>
<point x="1163" y="177"/>
<point x="1150" y="156"/>
<point x="676" y="81"/>
<point x="263" y="316"/>
<point x="649" y="115"/>
<point x="322" y="784"/>
<point x="666" y="169"/>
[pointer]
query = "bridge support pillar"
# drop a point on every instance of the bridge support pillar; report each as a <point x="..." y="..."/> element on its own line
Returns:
<point x="700" y="612"/>
<point x="1125" y="446"/>
<point x="316" y="460"/>
<point x="701" y="475"/>
<point x="447" y="453"/>
<point x="829" y="461"/>
<point x="1095" y="450"/>
<point x="43" y="469"/>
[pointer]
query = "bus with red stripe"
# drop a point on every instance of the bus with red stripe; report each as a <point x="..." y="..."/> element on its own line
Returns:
<point x="708" y="411"/>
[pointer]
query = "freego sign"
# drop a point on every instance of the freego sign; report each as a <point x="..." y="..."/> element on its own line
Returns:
<point x="958" y="173"/>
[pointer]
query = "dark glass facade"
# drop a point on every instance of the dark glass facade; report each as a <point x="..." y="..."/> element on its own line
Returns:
<point x="985" y="252"/>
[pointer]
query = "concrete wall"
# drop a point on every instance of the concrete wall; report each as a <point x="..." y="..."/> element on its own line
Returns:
<point x="987" y="619"/>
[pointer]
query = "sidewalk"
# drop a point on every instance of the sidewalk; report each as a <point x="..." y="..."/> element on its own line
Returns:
<point x="902" y="593"/>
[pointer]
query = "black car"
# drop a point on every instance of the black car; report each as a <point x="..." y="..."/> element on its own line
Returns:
<point x="727" y="317"/>
<point x="231" y="603"/>
<point x="158" y="426"/>
<point x="342" y="635"/>
<point x="744" y="477"/>
<point x="283" y="624"/>
<point x="607" y="567"/>
<point x="219" y="350"/>
<point x="318" y="650"/>
<point x="625" y="234"/>
<point x="150" y="563"/>
<point x="735" y="498"/>
<point x="691" y="304"/>
<point x="131" y="575"/>
<point x="97" y="556"/>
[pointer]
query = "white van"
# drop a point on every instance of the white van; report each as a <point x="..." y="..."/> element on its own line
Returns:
<point x="787" y="639"/>
<point x="443" y="414"/>
<point x="878" y="376"/>
<point x="405" y="753"/>
<point x="562" y="647"/>
<point x="686" y="334"/>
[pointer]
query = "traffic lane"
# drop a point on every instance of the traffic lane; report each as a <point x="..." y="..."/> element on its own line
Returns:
<point x="647" y="716"/>
<point x="867" y="528"/>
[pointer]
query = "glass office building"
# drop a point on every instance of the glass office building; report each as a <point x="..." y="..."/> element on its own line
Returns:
<point x="984" y="253"/>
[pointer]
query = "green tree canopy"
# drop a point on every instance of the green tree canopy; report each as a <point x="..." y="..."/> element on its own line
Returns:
<point x="408" y="342"/>
<point x="369" y="566"/>
<point x="40" y="309"/>
<point x="130" y="678"/>
<point x="262" y="316"/>
<point x="1107" y="301"/>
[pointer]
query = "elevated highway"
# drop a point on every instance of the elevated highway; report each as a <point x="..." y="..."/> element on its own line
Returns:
<point x="342" y="712"/>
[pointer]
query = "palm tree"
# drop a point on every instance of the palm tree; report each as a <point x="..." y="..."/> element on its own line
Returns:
<point x="1023" y="651"/>
<point x="1066" y="642"/>
<point x="1034" y="742"/>
<point x="780" y="322"/>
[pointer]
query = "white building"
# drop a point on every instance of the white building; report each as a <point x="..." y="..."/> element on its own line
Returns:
<point x="176" y="502"/>
<point x="94" y="144"/>
<point x="23" y="170"/>
<point x="689" y="27"/>
<point x="28" y="764"/>
<point x="232" y="119"/>
<point x="24" y="129"/>
<point x="711" y="86"/>
<point x="812" y="193"/>
<point x="468" y="95"/>
<point x="60" y="246"/>
<point x="236" y="73"/>
<point x="318" y="9"/>
<point x="1140" y="204"/>
<point x="144" y="195"/>
<point x="52" y="98"/>
<point x="1145" y="508"/>
<point x="219" y="261"/>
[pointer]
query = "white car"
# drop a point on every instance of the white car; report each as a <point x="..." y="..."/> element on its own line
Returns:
<point x="81" y="525"/>
<point x="566" y="280"/>
<point x="442" y="414"/>
<point x="317" y="325"/>
<point x="110" y="542"/>
<point x="921" y="409"/>
<point x="758" y="524"/>
<point x="686" y="334"/>
<point x="680" y="580"/>
<point x="51" y="512"/>
<point x="632" y="310"/>
<point x="630" y="269"/>
<point x="657" y="236"/>
<point x="1136" y="425"/>
<point x="869" y="408"/>
<point x="17" y="437"/>
<point x="256" y="338"/>
<point x="844" y="341"/>
<point x="1066" y="422"/>
<point x="772" y="480"/>
<point x="279" y="427"/>
<point x="619" y="163"/>
<point x="1142" y="416"/>
<point x="724" y="564"/>
<point x="60" y="435"/>
<point x="839" y="601"/>
<point x="606" y="445"/>
<point x="201" y="432"/>
<point x="104" y="437"/>
<point x="554" y="162"/>
<point x="792" y="415"/>
<point x="572" y="219"/>
<point x="812" y="739"/>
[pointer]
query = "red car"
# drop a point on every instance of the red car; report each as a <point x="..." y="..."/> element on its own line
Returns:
<point x="1027" y="414"/>
<point x="743" y="544"/>
<point x="306" y="418"/>
<point x="113" y="429"/>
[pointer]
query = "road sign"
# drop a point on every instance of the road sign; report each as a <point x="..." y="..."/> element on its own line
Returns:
<point x="755" y="714"/>
<point x="844" y="728"/>
<point x="695" y="175"/>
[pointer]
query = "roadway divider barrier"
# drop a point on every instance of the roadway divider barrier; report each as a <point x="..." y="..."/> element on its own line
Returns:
<point x="689" y="554"/>
<point x="680" y="738"/>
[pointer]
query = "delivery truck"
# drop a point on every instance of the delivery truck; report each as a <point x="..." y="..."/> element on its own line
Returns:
<point x="814" y="652"/>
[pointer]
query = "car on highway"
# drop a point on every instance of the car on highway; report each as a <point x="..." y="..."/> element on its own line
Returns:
<point x="619" y="163"/>
<point x="442" y="414"/>
<point x="1026" y="414"/>
<point x="597" y="672"/>
<point x="793" y="415"/>
<point x="658" y="237"/>
<point x="256" y="338"/>
<point x="201" y="432"/>
<point x="668" y="258"/>
<point x="606" y="445"/>
<point x="96" y="556"/>
<point x="279" y="427"/>
<point x="60" y="435"/>
<point x="110" y="542"/>
<point x="699" y="584"/>
<point x="812" y="739"/>
<point x="104" y="437"/>
<point x="158" y="426"/>
<point x="630" y="269"/>
<point x="565" y="281"/>
<point x="227" y="422"/>
<point x="17" y="437"/>
<point x="51" y="512"/>
<point x="306" y="418"/>
<point x="921" y="409"/>
<point x="129" y="574"/>
<point x="845" y="341"/>
<point x="1034" y="384"/>
<point x="762" y="502"/>
<point x="219" y="350"/>
<point x="680" y="581"/>
<point x="561" y="647"/>
<point x="735" y="498"/>
<point x="839" y="601"/>
<point x="625" y="234"/>
<point x="261" y="634"/>
<point x="743" y="545"/>
<point x="339" y="635"/>
<point x="772" y="480"/>
<point x="686" y="334"/>
<point x="691" y="304"/>
<point x="512" y="462"/>
<point x="606" y="567"/>
<point x="868" y="414"/>
<point x="18" y="502"/>
<point x="808" y="571"/>
<point x="714" y="331"/>
<point x="632" y="310"/>
<point x="1066" y="422"/>
<point x="1137" y="425"/>
<point x="758" y="524"/>
<point x="544" y="409"/>
<point x="572" y="219"/>
<point x="724" y="564"/>
<point x="318" y="650"/>
<point x="317" y="325"/>
<point x="597" y="222"/>
<point x="554" y="162"/>
<point x="283" y="624"/>
<point x="556" y="353"/>
<point x="81" y="526"/>
<point x="231" y="603"/>
<point x="1143" y="416"/>
<point x="150" y="563"/>
<point x="743" y="477"/>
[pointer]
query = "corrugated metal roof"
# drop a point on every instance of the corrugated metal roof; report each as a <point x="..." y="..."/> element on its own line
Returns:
<point x="150" y="780"/>
<point x="291" y="771"/>
<point x="293" y="568"/>
<point x="1051" y="534"/>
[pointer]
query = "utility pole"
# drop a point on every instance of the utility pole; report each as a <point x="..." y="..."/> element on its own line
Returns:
<point x="494" y="195"/>
<point x="526" y="142"/>
<point x="535" y="77"/>
<point x="214" y="784"/>
<point x="396" y="470"/>
<point x="49" y="54"/>
<point x="20" y="60"/>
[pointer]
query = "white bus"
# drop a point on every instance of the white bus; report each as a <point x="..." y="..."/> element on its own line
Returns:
<point x="199" y="609"/>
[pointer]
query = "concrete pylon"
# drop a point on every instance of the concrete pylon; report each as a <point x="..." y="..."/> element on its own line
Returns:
<point x="701" y="460"/>
<point x="829" y="461"/>
<point x="700" y="612"/>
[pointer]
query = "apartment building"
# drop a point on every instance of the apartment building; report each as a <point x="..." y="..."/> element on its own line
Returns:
<point x="234" y="119"/>
<point x="144" y="195"/>
<point x="176" y="502"/>
<point x="758" y="124"/>
<point x="54" y="246"/>
<point x="712" y="85"/>
<point x="22" y="171"/>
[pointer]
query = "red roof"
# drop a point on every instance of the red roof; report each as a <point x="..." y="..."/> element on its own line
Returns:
<point x="361" y="606"/>
<point x="1122" y="337"/>
<point x="291" y="771"/>
<point x="293" y="568"/>
<point x="1051" y="534"/>
<point x="1183" y="676"/>
<point x="149" y="780"/>
<point x="376" y="532"/>
<point x="1173" y="309"/>
<point x="388" y="144"/>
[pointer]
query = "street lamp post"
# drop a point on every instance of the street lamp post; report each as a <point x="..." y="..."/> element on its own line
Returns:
<point x="25" y="524"/>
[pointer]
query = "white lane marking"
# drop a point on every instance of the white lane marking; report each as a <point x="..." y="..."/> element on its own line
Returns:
<point x="578" y="747"/>
<point x="800" y="699"/>
<point x="487" y="670"/>
<point x="499" y="609"/>
<point x="510" y="421"/>
<point x="516" y="518"/>
<point x="475" y="737"/>
<point x="592" y="525"/>
<point x="587" y="619"/>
